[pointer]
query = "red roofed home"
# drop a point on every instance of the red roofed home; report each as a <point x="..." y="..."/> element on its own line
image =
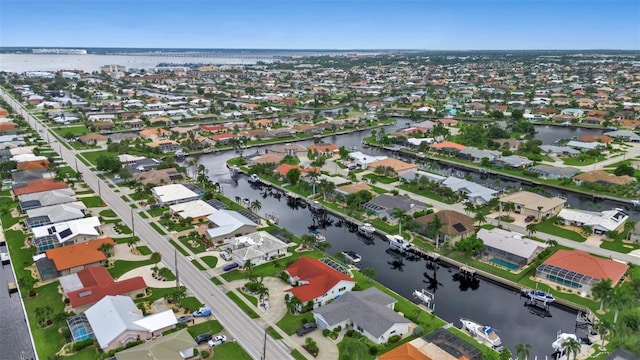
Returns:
<point x="283" y="169"/>
<point x="214" y="128"/>
<point x="325" y="149"/>
<point x="32" y="165"/>
<point x="95" y="283"/>
<point x="316" y="282"/>
<point x="39" y="185"/>
<point x="448" y="146"/>
<point x="579" y="270"/>
<point x="447" y="122"/>
<point x="73" y="258"/>
<point x="223" y="138"/>
<point x="155" y="134"/>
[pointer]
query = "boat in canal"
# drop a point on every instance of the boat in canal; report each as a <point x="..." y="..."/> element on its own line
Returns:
<point x="366" y="229"/>
<point x="485" y="333"/>
<point x="558" y="345"/>
<point x="398" y="242"/>
<point x="319" y="237"/>
<point x="352" y="256"/>
<point x="539" y="295"/>
<point x="426" y="298"/>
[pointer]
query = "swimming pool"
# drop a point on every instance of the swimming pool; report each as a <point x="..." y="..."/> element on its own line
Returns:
<point x="505" y="264"/>
<point x="81" y="333"/>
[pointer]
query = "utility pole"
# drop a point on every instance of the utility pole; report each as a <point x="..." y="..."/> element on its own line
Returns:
<point x="133" y="224"/>
<point x="264" y="346"/>
<point x="175" y="261"/>
<point x="99" y="189"/>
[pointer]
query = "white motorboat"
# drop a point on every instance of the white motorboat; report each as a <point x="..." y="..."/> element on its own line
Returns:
<point x="319" y="237"/>
<point x="425" y="297"/>
<point x="352" y="256"/>
<point x="563" y="338"/>
<point x="485" y="333"/>
<point x="636" y="203"/>
<point x="366" y="229"/>
<point x="539" y="295"/>
<point x="398" y="242"/>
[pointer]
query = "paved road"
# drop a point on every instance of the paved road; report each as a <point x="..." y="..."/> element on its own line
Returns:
<point x="247" y="332"/>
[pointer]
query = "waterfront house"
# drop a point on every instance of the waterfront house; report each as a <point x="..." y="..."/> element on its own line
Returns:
<point x="476" y="155"/>
<point x="475" y="193"/>
<point x="411" y="176"/>
<point x="196" y="210"/>
<point x="398" y="167"/>
<point x="455" y="225"/>
<point x="179" y="345"/>
<point x="88" y="286"/>
<point x="579" y="271"/>
<point x="325" y="149"/>
<point x="265" y="159"/>
<point x="601" y="222"/>
<point x="93" y="139"/>
<point x="158" y="177"/>
<point x="73" y="258"/>
<point x="554" y="172"/>
<point x="370" y="312"/>
<point x="46" y="198"/>
<point x="154" y="134"/>
<point x="288" y="149"/>
<point x="116" y="321"/>
<point x="363" y="160"/>
<point x="316" y="282"/>
<point x="447" y="147"/>
<point x="508" y="249"/>
<point x="513" y="161"/>
<point x="441" y="344"/>
<point x="555" y="150"/>
<point x="424" y="126"/>
<point x="173" y="194"/>
<point x="575" y="113"/>
<point x="257" y="248"/>
<point x="227" y="224"/>
<point x="384" y="205"/>
<point x="165" y="146"/>
<point x="349" y="189"/>
<point x="65" y="233"/>
<point x="581" y="145"/>
<point x="528" y="203"/>
<point x="604" y="178"/>
<point x="597" y="138"/>
<point x="624" y="135"/>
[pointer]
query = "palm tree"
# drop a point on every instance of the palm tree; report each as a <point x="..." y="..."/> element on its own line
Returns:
<point x="571" y="346"/>
<point x="605" y="328"/>
<point x="532" y="228"/>
<point x="132" y="241"/>
<point x="469" y="207"/>
<point x="433" y="229"/>
<point x="480" y="218"/>
<point x="509" y="207"/>
<point x="400" y="215"/>
<point x="523" y="351"/>
<point x="369" y="273"/>
<point x="255" y="205"/>
<point x="552" y="243"/>
<point x="539" y="211"/>
<point x="238" y="198"/>
<point x="308" y="240"/>
<point x="602" y="290"/>
<point x="323" y="246"/>
<point x="619" y="300"/>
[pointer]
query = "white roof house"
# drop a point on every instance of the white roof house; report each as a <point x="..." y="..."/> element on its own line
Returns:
<point x="585" y="145"/>
<point x="475" y="192"/>
<point x="192" y="209"/>
<point x="609" y="220"/>
<point x="173" y="194"/>
<point x="364" y="159"/>
<point x="257" y="247"/>
<point x="227" y="223"/>
<point x="510" y="242"/>
<point x="50" y="236"/>
<point x="116" y="320"/>
<point x="59" y="212"/>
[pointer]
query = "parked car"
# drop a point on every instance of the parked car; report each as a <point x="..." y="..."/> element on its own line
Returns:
<point x="203" y="338"/>
<point x="154" y="206"/>
<point x="202" y="312"/>
<point x="306" y="328"/>
<point x="529" y="218"/>
<point x="225" y="256"/>
<point x="218" y="340"/>
<point x="185" y="319"/>
<point x="230" y="266"/>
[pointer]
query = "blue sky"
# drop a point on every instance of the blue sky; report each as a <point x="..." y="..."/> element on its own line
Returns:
<point x="333" y="24"/>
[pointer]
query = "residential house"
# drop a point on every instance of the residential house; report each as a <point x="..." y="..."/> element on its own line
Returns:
<point x="508" y="249"/>
<point x="425" y="126"/>
<point x="104" y="125"/>
<point x="196" y="210"/>
<point x="475" y="193"/>
<point x="411" y="176"/>
<point x="257" y="248"/>
<point x="447" y="147"/>
<point x="228" y="223"/>
<point x="116" y="321"/>
<point x="349" y="189"/>
<point x="624" y="135"/>
<point x="477" y="155"/>
<point x="55" y="214"/>
<point x="528" y="203"/>
<point x="576" y="113"/>
<point x="554" y="172"/>
<point x="166" y="146"/>
<point x="179" y="345"/>
<point x="88" y="286"/>
<point x="555" y="150"/>
<point x="265" y="159"/>
<point x="288" y="149"/>
<point x="398" y="167"/>
<point x="591" y="120"/>
<point x="325" y="149"/>
<point x="363" y="160"/>
<point x="222" y="138"/>
<point x="46" y="198"/>
<point x="579" y="271"/>
<point x="604" y="178"/>
<point x="316" y="282"/>
<point x="369" y="312"/>
<point x="513" y="161"/>
<point x="40" y="185"/>
<point x="384" y="205"/>
<point x="173" y="194"/>
<point x="73" y="258"/>
<point x="65" y="233"/>
<point x="581" y="145"/>
<point x="159" y="177"/>
<point x="455" y="225"/>
<point x="154" y="134"/>
<point x="597" y="138"/>
<point x="93" y="139"/>
<point x="601" y="222"/>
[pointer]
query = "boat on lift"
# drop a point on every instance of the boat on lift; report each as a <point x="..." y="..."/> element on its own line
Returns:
<point x="398" y="242"/>
<point x="563" y="338"/>
<point x="539" y="295"/>
<point x="352" y="256"/>
<point x="483" y="332"/>
<point x="319" y="237"/>
<point x="425" y="298"/>
<point x="366" y="229"/>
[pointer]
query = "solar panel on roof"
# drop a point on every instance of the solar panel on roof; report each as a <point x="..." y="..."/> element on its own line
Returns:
<point x="459" y="227"/>
<point x="65" y="233"/>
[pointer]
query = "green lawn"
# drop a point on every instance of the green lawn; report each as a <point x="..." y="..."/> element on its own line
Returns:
<point x="252" y="299"/>
<point x="92" y="156"/>
<point x="92" y="201"/>
<point x="154" y="294"/>
<point x="575" y="161"/>
<point x="9" y="220"/>
<point x="20" y="257"/>
<point x="380" y="179"/>
<point x="88" y="353"/>
<point x="619" y="246"/>
<point x="187" y="242"/>
<point x="211" y="261"/>
<point x="269" y="269"/>
<point x="211" y="326"/>
<point x="378" y="190"/>
<point x="216" y="281"/>
<point x="143" y="215"/>
<point x="143" y="250"/>
<point x="158" y="229"/>
<point x="123" y="229"/>
<point x="108" y="213"/>
<point x="297" y="355"/>
<point x="157" y="211"/>
<point x="426" y="193"/>
<point x="548" y="226"/>
<point x="230" y="351"/>
<point x="273" y="333"/>
<point x="180" y="249"/>
<point x="48" y="340"/>
<point x="121" y="267"/>
<point x="191" y="303"/>
<point x="289" y="323"/>
<point x="197" y="265"/>
<point x="248" y="310"/>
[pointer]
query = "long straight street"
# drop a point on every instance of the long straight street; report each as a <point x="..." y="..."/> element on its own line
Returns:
<point x="247" y="332"/>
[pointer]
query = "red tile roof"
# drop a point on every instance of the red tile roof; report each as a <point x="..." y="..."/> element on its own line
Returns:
<point x="324" y="148"/>
<point x="448" y="145"/>
<point x="283" y="169"/>
<point x="98" y="283"/>
<point x="68" y="257"/>
<point x="320" y="277"/>
<point x="213" y="128"/>
<point x="33" y="165"/>
<point x="222" y="136"/>
<point x="584" y="263"/>
<point x="40" y="185"/>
